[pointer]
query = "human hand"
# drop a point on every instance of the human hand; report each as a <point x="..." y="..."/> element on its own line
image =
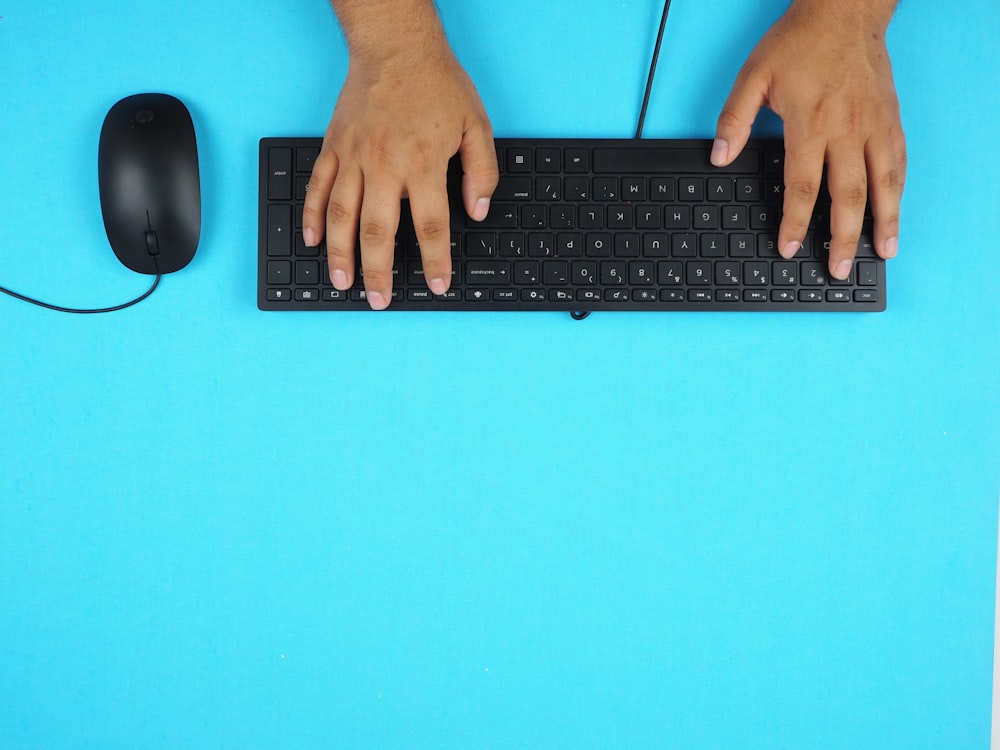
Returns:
<point x="824" y="69"/>
<point x="398" y="121"/>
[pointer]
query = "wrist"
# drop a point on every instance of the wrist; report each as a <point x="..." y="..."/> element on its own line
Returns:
<point x="379" y="32"/>
<point x="852" y="16"/>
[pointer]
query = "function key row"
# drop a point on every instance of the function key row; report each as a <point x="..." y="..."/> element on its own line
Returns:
<point x="511" y="296"/>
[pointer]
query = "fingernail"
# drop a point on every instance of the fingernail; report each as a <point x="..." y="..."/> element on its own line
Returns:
<point x="309" y="237"/>
<point x="789" y="250"/>
<point x="843" y="269"/>
<point x="891" y="247"/>
<point x="339" y="279"/>
<point x="437" y="286"/>
<point x="376" y="300"/>
<point x="720" y="151"/>
<point x="481" y="208"/>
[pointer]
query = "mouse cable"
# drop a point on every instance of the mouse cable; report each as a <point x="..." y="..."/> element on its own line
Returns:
<point x="581" y="314"/>
<point x="57" y="308"/>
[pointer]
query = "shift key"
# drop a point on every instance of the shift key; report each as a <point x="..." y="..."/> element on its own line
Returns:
<point x="279" y="174"/>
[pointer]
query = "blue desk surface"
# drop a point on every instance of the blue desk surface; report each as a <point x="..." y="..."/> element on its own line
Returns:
<point x="226" y="528"/>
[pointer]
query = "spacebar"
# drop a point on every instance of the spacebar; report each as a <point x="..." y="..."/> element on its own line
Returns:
<point x="646" y="160"/>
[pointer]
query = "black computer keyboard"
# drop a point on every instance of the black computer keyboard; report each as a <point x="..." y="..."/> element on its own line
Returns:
<point x="582" y="225"/>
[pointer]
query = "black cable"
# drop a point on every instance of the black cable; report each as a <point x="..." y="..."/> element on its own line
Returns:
<point x="57" y="308"/>
<point x="580" y="314"/>
<point x="652" y="69"/>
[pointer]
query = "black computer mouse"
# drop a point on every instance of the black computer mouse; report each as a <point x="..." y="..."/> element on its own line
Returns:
<point x="147" y="166"/>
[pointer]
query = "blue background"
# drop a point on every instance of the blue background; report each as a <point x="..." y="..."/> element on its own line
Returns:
<point x="227" y="528"/>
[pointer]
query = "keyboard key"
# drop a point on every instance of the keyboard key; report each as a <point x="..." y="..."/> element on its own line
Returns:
<point x="747" y="189"/>
<point x="305" y="158"/>
<point x="634" y="189"/>
<point x="628" y="159"/>
<point x="480" y="244"/>
<point x="279" y="272"/>
<point x="642" y="272"/>
<point x="548" y="160"/>
<point x="677" y="217"/>
<point x="662" y="189"/>
<point x="706" y="217"/>
<point x="279" y="230"/>
<point x="519" y="160"/>
<point x="698" y="272"/>
<point x="577" y="160"/>
<point x="727" y="273"/>
<point x="670" y="273"/>
<point x="684" y="245"/>
<point x="548" y="188"/>
<point x="720" y="189"/>
<point x="526" y="272"/>
<point x="477" y="295"/>
<point x="584" y="272"/>
<point x="569" y="244"/>
<point x="612" y="272"/>
<point x="480" y="272"/>
<point x="307" y="272"/>
<point x="513" y="188"/>
<point x="500" y="216"/>
<point x="867" y="273"/>
<point x="755" y="273"/>
<point x="555" y="272"/>
<point x="813" y="274"/>
<point x="691" y="189"/>
<point x="279" y="181"/>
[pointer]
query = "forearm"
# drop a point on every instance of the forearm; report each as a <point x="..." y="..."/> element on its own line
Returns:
<point x="379" y="29"/>
<point x="849" y="15"/>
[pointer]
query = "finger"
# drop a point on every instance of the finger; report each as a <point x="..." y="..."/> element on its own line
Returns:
<point x="738" y="113"/>
<point x="479" y="165"/>
<point x="377" y="236"/>
<point x="899" y="148"/>
<point x="803" y="176"/>
<point x="342" y="211"/>
<point x="848" y="183"/>
<point x="429" y="209"/>
<point x="317" y="196"/>
<point x="886" y="186"/>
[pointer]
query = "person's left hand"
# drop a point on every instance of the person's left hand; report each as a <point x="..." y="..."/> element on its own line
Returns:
<point x="829" y="78"/>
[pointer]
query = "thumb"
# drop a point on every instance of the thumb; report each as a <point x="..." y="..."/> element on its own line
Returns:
<point x="479" y="165"/>
<point x="738" y="113"/>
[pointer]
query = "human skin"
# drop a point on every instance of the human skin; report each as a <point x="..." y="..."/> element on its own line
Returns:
<point x="824" y="69"/>
<point x="407" y="107"/>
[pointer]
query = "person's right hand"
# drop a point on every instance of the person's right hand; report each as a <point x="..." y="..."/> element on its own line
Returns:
<point x="399" y="119"/>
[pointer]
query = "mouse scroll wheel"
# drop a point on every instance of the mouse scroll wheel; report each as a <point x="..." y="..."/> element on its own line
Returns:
<point x="152" y="246"/>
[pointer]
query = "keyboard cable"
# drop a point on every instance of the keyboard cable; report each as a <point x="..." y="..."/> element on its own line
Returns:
<point x="581" y="314"/>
